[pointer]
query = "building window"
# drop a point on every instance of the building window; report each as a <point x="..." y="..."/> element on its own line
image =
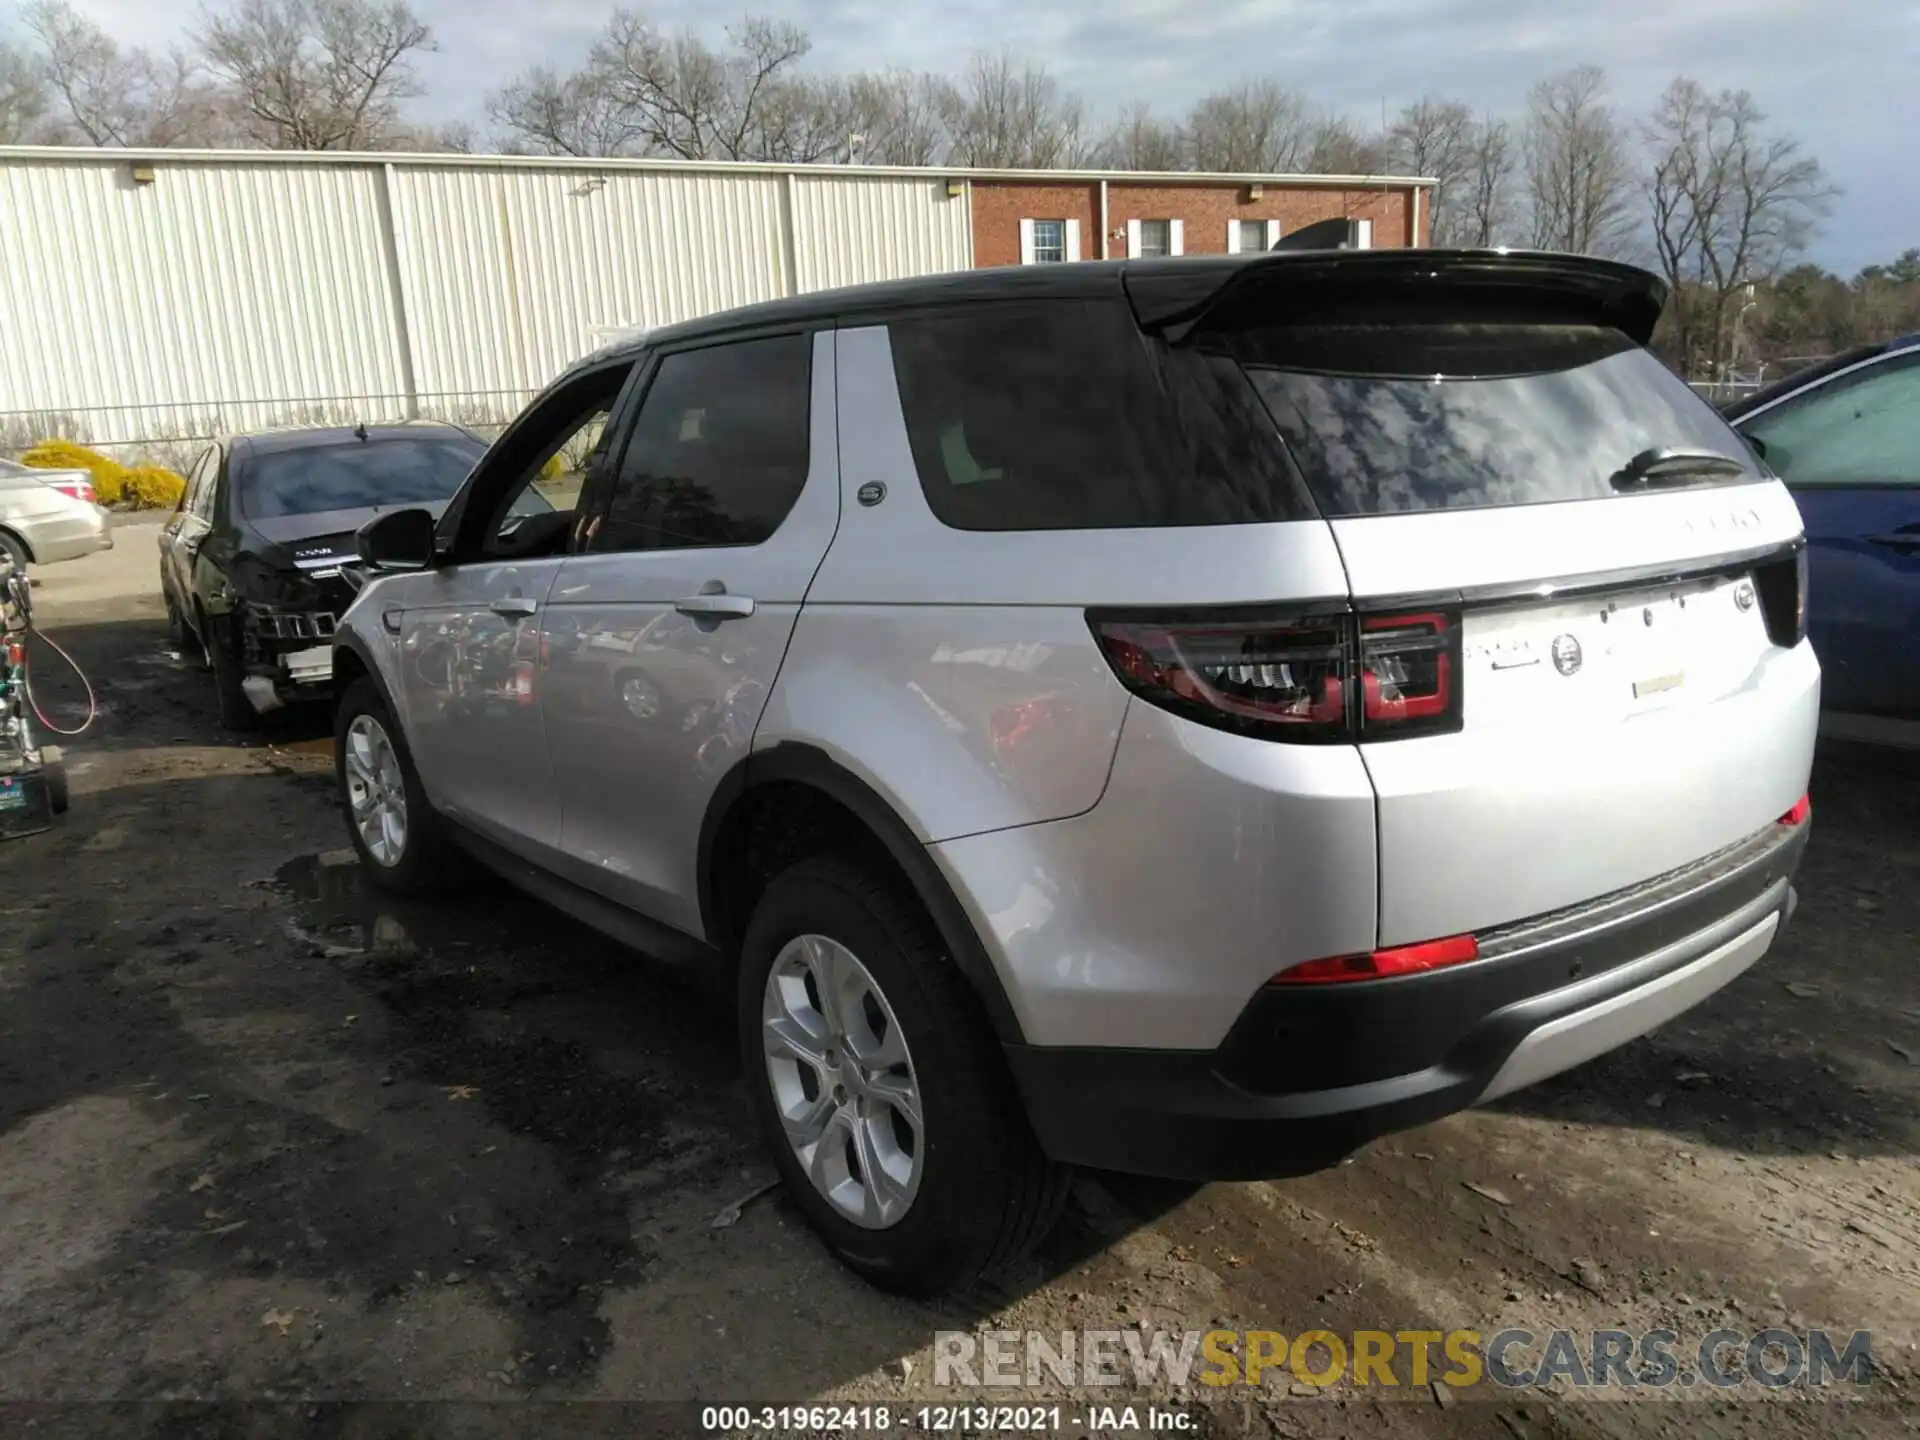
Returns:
<point x="1049" y="242"/>
<point x="1253" y="236"/>
<point x="1156" y="238"/>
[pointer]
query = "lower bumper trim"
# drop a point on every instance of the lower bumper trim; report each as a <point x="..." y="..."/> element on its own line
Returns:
<point x="1575" y="1039"/>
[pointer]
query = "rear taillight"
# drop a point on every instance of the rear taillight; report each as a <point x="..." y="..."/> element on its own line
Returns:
<point x="1283" y="678"/>
<point x="1801" y="812"/>
<point x="1303" y="678"/>
<point x="1381" y="964"/>
<point x="78" y="489"/>
<point x="1782" y="585"/>
<point x="1409" y="670"/>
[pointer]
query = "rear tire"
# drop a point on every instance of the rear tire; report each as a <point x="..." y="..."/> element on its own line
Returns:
<point x="15" y="549"/>
<point x="970" y="1188"/>
<point x="373" y="769"/>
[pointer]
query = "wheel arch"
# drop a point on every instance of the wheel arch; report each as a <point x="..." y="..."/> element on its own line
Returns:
<point x="793" y="774"/>
<point x="25" y="545"/>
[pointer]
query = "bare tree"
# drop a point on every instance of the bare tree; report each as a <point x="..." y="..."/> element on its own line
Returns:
<point x="566" y="115"/>
<point x="1485" y="215"/>
<point x="318" y="74"/>
<point x="1435" y="138"/>
<point x="1732" y="205"/>
<point x="1338" y="147"/>
<point x="1577" y="174"/>
<point x="897" y="117"/>
<point x="115" y="96"/>
<point x="644" y="92"/>
<point x="24" y="102"/>
<point x="1258" y="129"/>
<point x="1006" y="114"/>
<point x="1141" y="140"/>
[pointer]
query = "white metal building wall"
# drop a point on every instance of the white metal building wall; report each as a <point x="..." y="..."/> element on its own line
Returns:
<point x="145" y="307"/>
<point x="235" y="292"/>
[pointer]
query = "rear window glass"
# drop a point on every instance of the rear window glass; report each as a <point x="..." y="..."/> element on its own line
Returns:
<point x="1386" y="418"/>
<point x="1059" y="416"/>
<point x="356" y="475"/>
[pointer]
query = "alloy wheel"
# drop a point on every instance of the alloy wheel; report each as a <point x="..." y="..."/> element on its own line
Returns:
<point x="376" y="790"/>
<point x="843" y="1081"/>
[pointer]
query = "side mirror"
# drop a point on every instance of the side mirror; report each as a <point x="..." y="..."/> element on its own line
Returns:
<point x="397" y="540"/>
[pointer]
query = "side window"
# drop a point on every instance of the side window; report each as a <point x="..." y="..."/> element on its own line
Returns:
<point x="1053" y="417"/>
<point x="719" y="453"/>
<point x="206" y="483"/>
<point x="1859" y="429"/>
<point x="526" y="490"/>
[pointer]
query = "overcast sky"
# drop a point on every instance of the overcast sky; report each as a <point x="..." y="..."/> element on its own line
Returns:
<point x="1842" y="75"/>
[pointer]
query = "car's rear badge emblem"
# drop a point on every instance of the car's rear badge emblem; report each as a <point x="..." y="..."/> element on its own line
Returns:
<point x="1566" y="654"/>
<point x="871" y="493"/>
<point x="1743" y="597"/>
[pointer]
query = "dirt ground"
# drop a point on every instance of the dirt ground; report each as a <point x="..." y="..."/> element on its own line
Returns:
<point x="269" y="1144"/>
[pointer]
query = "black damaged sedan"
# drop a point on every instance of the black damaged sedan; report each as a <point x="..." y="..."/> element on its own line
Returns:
<point x="250" y="562"/>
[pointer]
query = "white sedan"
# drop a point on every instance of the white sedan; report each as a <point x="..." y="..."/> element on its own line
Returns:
<point x="49" y="515"/>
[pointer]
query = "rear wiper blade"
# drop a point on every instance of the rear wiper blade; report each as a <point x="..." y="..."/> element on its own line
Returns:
<point x="1673" y="465"/>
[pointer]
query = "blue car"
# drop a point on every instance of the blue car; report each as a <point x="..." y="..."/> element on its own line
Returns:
<point x="1845" y="436"/>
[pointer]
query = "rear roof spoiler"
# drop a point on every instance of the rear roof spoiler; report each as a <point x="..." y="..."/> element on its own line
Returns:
<point x="1179" y="299"/>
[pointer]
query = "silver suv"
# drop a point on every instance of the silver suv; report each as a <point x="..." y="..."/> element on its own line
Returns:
<point x="1187" y="717"/>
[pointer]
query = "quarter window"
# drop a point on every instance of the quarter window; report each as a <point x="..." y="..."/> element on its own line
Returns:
<point x="719" y="453"/>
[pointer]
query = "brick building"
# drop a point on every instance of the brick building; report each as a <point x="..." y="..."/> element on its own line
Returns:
<point x="1097" y="215"/>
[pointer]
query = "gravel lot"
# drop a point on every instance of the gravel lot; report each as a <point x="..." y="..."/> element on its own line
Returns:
<point x="267" y="1139"/>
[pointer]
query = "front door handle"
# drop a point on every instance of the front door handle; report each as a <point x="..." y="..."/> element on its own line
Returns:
<point x="1904" y="540"/>
<point x="513" y="607"/>
<point x="713" y="603"/>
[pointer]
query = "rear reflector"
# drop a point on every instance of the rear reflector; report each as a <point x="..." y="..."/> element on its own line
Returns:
<point x="1400" y="960"/>
<point x="1800" y="813"/>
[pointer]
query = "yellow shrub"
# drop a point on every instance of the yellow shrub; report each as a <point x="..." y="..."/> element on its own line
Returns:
<point x="149" y="487"/>
<point x="142" y="488"/>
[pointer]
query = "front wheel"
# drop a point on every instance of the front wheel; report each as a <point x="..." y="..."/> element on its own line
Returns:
<point x="399" y="839"/>
<point x="880" y="1087"/>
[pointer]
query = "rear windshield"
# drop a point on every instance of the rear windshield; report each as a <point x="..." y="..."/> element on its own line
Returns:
<point x="357" y="475"/>
<point x="1386" y="417"/>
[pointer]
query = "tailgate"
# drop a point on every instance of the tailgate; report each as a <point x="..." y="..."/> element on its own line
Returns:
<point x="1611" y="730"/>
<point x="1580" y="597"/>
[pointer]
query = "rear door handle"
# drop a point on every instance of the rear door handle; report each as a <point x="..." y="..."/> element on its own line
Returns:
<point x="715" y="607"/>
<point x="513" y="607"/>
<point x="1903" y="540"/>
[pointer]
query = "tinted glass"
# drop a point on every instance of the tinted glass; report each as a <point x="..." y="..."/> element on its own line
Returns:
<point x="356" y="475"/>
<point x="719" y="452"/>
<point x="1060" y="417"/>
<point x="1386" y="418"/>
<point x="1861" y="429"/>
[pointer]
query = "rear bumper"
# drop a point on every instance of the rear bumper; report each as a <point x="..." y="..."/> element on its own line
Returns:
<point x="67" y="535"/>
<point x="1311" y="1073"/>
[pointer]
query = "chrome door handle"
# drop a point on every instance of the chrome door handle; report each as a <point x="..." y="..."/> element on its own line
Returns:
<point x="514" y="607"/>
<point x="715" y="607"/>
